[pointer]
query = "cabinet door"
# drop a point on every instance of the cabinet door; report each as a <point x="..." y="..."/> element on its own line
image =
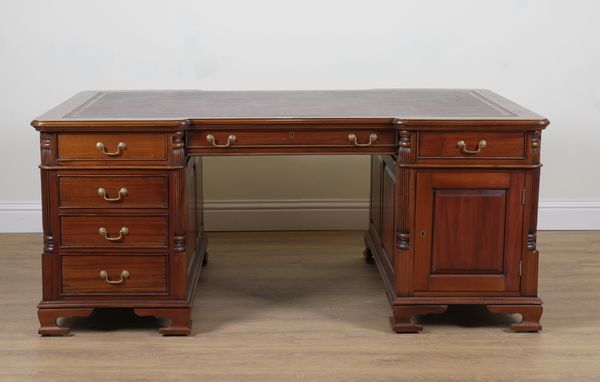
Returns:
<point x="468" y="226"/>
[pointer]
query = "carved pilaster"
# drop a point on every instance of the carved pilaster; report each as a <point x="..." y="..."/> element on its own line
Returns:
<point x="403" y="234"/>
<point x="403" y="241"/>
<point x="532" y="230"/>
<point x="406" y="154"/>
<point x="178" y="215"/>
<point x="532" y="241"/>
<point x="46" y="212"/>
<point x="179" y="244"/>
<point x="46" y="148"/>
<point x="405" y="144"/>
<point x="178" y="147"/>
<point x="48" y="243"/>
<point x="536" y="143"/>
<point x="179" y="206"/>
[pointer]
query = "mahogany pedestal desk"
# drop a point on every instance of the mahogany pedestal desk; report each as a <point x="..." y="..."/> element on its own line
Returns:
<point x="454" y="194"/>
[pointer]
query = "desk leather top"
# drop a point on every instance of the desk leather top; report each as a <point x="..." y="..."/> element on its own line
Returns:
<point x="197" y="106"/>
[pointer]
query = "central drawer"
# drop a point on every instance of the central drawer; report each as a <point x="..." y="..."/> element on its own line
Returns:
<point x="114" y="274"/>
<point x="350" y="138"/>
<point x="113" y="231"/>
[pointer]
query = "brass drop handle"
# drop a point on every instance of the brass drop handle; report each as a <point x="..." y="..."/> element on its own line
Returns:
<point x="463" y="147"/>
<point x="122" y="193"/>
<point x="124" y="276"/>
<point x="122" y="232"/>
<point x="352" y="138"/>
<point x="120" y="148"/>
<point x="230" y="139"/>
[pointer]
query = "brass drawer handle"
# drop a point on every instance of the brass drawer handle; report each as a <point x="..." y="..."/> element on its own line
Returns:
<point x="352" y="138"/>
<point x="122" y="193"/>
<point x="122" y="232"/>
<point x="230" y="139"/>
<point x="124" y="276"/>
<point x="120" y="148"/>
<point x="463" y="147"/>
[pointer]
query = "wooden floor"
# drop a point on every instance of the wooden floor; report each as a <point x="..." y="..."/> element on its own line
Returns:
<point x="303" y="306"/>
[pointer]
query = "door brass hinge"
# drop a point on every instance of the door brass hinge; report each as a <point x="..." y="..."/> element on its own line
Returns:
<point x="523" y="194"/>
<point x="520" y="268"/>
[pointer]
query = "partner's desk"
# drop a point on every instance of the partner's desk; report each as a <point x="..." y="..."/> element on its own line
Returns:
<point x="454" y="193"/>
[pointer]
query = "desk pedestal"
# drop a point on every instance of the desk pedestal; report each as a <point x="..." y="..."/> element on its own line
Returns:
<point x="455" y="230"/>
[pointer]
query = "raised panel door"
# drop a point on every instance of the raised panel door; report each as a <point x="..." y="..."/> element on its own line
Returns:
<point x="468" y="230"/>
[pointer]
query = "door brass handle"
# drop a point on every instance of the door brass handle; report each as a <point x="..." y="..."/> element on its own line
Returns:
<point x="124" y="276"/>
<point x="122" y="193"/>
<point x="122" y="232"/>
<point x="354" y="139"/>
<point x="463" y="147"/>
<point x="120" y="148"/>
<point x="230" y="139"/>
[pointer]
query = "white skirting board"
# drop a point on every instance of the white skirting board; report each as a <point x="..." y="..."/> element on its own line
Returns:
<point x="286" y="215"/>
<point x="278" y="215"/>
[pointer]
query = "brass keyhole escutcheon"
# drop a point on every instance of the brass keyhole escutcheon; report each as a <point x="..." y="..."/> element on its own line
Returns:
<point x="292" y="135"/>
<point x="422" y="233"/>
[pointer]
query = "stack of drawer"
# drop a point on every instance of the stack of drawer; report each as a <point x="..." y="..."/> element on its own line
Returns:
<point x="115" y="222"/>
<point x="113" y="231"/>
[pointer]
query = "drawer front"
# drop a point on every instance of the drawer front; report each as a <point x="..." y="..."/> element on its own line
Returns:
<point x="472" y="145"/>
<point x="290" y="138"/>
<point x="114" y="274"/>
<point x="112" y="146"/>
<point x="112" y="191"/>
<point x="113" y="231"/>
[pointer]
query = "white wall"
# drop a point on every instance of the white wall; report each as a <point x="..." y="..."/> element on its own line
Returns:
<point x="544" y="54"/>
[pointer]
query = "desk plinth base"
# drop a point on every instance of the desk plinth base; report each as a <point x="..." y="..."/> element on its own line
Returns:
<point x="49" y="325"/>
<point x="531" y="315"/>
<point x="402" y="318"/>
<point x="180" y="323"/>
<point x="179" y="317"/>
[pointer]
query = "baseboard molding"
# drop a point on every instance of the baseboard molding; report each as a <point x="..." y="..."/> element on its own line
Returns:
<point x="286" y="215"/>
<point x="20" y="217"/>
<point x="569" y="214"/>
<point x="331" y="214"/>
